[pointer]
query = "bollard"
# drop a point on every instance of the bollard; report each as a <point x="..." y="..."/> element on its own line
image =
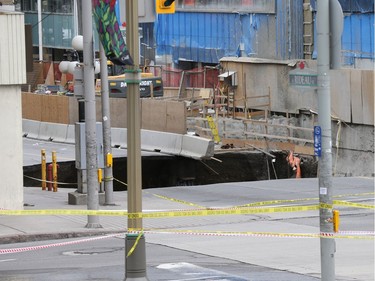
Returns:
<point x="43" y="169"/>
<point x="100" y="180"/>
<point x="100" y="175"/>
<point x="54" y="171"/>
<point x="109" y="161"/>
<point x="49" y="177"/>
<point x="336" y="221"/>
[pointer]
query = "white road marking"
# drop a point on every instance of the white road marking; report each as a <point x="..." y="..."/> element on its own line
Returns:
<point x="7" y="260"/>
<point x="194" y="272"/>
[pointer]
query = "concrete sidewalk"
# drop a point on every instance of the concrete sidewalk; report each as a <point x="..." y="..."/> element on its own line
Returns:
<point x="354" y="259"/>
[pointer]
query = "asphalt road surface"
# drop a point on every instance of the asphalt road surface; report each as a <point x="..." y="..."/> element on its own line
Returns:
<point x="104" y="259"/>
<point x="193" y="255"/>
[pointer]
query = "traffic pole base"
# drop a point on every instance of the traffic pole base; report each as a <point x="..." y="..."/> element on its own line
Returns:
<point x="136" y="261"/>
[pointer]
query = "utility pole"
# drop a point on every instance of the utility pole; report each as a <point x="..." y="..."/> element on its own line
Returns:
<point x="327" y="245"/>
<point x="106" y="118"/>
<point x="135" y="263"/>
<point x="90" y="114"/>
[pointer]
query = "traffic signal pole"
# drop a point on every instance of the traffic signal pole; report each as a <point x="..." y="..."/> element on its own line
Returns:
<point x="106" y="118"/>
<point x="90" y="114"/>
<point x="327" y="243"/>
<point x="135" y="249"/>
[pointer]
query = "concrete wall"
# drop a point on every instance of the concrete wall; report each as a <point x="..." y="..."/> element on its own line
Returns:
<point x="11" y="148"/>
<point x="353" y="149"/>
<point x="12" y="75"/>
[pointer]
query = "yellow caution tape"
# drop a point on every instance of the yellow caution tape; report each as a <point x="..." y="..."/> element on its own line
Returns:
<point x="60" y="183"/>
<point x="257" y="234"/>
<point x="64" y="212"/>
<point x="135" y="244"/>
<point x="354" y="194"/>
<point x="325" y="206"/>
<point x="123" y="183"/>
<point x="272" y="202"/>
<point x="218" y="212"/>
<point x="177" y="200"/>
<point x="164" y="214"/>
<point x="355" y="205"/>
<point x="187" y="213"/>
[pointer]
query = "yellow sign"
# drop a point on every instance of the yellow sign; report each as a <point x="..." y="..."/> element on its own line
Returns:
<point x="165" y="7"/>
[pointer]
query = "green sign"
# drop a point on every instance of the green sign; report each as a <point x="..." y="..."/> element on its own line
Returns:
<point x="306" y="80"/>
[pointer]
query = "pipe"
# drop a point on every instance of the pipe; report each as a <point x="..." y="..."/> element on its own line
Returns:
<point x="54" y="171"/>
<point x="43" y="168"/>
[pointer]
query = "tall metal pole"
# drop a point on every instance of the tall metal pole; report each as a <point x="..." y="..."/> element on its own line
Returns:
<point x="90" y="114"/>
<point x="40" y="31"/>
<point x="106" y="118"/>
<point x="75" y="18"/>
<point x="135" y="264"/>
<point x="327" y="245"/>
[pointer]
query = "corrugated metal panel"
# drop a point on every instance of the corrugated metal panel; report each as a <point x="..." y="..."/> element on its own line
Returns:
<point x="207" y="37"/>
<point x="289" y="29"/>
<point x="12" y="49"/>
<point x="358" y="34"/>
<point x="353" y="6"/>
<point x="200" y="37"/>
<point x="358" y="37"/>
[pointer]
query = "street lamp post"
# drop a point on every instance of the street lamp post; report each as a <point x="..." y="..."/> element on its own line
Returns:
<point x="135" y="260"/>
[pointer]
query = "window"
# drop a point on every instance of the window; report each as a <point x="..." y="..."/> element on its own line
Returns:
<point x="51" y="6"/>
<point x="29" y="5"/>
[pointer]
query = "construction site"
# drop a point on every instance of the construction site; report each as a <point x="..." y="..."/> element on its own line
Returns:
<point x="252" y="91"/>
<point x="255" y="111"/>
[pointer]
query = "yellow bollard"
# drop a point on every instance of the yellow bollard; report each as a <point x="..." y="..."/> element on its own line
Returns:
<point x="336" y="220"/>
<point x="43" y="169"/>
<point x="54" y="171"/>
<point x="100" y="175"/>
<point x="109" y="160"/>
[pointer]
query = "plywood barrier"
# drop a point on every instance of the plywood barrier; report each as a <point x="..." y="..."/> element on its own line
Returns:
<point x="157" y="115"/>
<point x="32" y="106"/>
<point x="165" y="116"/>
<point x="368" y="96"/>
<point x="55" y="109"/>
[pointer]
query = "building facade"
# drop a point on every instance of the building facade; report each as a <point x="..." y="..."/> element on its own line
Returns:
<point x="206" y="30"/>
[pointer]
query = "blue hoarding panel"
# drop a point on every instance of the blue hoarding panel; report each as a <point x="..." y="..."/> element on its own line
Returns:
<point x="204" y="37"/>
<point x="353" y="6"/>
<point x="358" y="37"/>
<point x="207" y="37"/>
